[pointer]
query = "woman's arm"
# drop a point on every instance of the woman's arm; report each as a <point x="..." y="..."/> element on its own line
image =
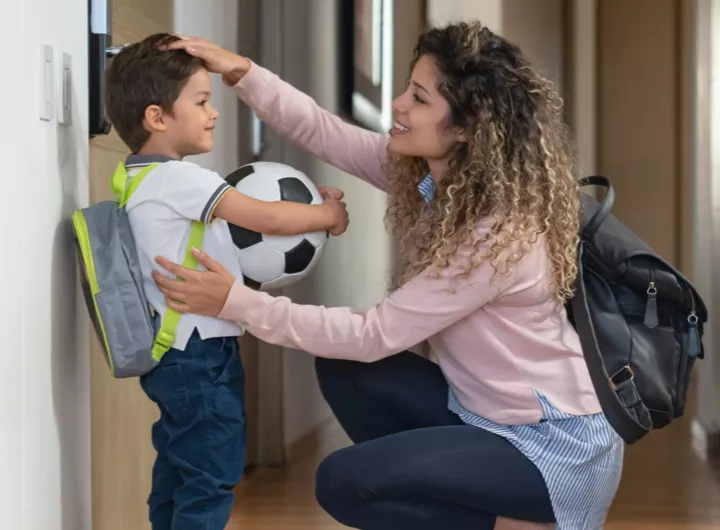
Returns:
<point x="295" y="115"/>
<point x="418" y="310"/>
<point x="298" y="118"/>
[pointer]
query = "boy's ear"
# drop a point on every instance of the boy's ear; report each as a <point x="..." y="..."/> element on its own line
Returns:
<point x="155" y="119"/>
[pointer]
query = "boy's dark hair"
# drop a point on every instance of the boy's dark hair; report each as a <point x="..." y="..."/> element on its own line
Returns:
<point x="142" y="75"/>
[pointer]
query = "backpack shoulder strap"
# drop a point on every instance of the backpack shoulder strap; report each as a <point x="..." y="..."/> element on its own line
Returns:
<point x="618" y="396"/>
<point x="166" y="336"/>
<point x="123" y="191"/>
<point x="119" y="182"/>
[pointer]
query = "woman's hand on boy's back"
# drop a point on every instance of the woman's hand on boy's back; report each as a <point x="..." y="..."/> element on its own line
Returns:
<point x="230" y="65"/>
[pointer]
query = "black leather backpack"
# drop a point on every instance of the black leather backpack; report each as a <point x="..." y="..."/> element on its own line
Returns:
<point x="640" y="322"/>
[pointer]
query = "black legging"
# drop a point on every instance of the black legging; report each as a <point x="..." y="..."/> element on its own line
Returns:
<point x="415" y="465"/>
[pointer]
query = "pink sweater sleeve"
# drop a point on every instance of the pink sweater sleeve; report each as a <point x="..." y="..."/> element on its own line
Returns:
<point x="297" y="117"/>
<point x="418" y="310"/>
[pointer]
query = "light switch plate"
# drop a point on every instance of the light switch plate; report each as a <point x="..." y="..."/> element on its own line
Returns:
<point x="47" y="82"/>
<point x="65" y="98"/>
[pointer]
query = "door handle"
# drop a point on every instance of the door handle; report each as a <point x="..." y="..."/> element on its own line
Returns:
<point x="112" y="51"/>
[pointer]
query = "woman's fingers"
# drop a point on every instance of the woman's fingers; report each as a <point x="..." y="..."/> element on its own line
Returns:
<point x="205" y="259"/>
<point x="179" y="307"/>
<point x="184" y="41"/>
<point x="210" y="264"/>
<point x="170" y="287"/>
<point x="163" y="282"/>
<point x="174" y="295"/>
<point x="174" y="268"/>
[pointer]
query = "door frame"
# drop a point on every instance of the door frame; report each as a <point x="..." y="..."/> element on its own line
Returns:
<point x="260" y="40"/>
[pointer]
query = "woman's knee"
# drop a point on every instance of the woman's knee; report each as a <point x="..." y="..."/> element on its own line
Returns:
<point x="336" y="489"/>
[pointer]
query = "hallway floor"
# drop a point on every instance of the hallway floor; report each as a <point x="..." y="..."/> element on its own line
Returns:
<point x="665" y="486"/>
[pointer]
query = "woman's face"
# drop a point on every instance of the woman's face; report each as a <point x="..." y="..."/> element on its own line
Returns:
<point x="422" y="119"/>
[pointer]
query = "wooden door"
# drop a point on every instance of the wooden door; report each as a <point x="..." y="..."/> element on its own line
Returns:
<point x="644" y="107"/>
<point x="121" y="415"/>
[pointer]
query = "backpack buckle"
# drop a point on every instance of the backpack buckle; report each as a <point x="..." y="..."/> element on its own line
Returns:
<point x="623" y="374"/>
<point x="163" y="342"/>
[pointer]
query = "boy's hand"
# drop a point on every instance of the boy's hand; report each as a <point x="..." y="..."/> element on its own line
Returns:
<point x="339" y="214"/>
<point x="327" y="192"/>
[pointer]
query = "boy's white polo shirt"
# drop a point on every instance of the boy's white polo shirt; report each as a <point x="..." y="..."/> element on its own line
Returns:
<point x="161" y="212"/>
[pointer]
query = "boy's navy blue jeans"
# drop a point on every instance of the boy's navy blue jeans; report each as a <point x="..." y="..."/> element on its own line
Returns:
<point x="200" y="437"/>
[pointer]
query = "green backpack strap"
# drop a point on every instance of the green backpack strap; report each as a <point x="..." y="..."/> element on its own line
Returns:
<point x="119" y="182"/>
<point x="122" y="191"/>
<point x="166" y="336"/>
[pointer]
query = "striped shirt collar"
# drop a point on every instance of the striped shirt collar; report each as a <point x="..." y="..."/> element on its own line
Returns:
<point x="427" y="189"/>
<point x="135" y="160"/>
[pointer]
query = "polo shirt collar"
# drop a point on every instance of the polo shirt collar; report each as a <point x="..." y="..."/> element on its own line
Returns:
<point x="135" y="160"/>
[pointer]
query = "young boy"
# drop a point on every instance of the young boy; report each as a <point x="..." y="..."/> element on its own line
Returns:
<point x="158" y="102"/>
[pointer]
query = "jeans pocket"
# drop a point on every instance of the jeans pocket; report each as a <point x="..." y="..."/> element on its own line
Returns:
<point x="229" y="367"/>
<point x="166" y="385"/>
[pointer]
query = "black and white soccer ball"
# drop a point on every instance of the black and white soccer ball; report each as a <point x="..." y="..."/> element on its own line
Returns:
<point x="272" y="262"/>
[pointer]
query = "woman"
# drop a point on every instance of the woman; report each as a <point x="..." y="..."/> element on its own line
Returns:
<point x="480" y="176"/>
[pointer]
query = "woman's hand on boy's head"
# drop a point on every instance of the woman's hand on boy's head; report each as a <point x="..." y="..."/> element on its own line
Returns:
<point x="218" y="60"/>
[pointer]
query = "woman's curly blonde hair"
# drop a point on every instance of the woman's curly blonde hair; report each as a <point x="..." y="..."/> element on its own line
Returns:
<point x="516" y="171"/>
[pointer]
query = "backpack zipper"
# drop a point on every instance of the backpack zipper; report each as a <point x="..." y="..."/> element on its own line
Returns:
<point x="694" y="348"/>
<point x="693" y="336"/>
<point x="651" y="315"/>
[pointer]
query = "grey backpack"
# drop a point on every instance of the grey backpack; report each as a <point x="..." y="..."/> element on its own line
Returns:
<point x="113" y="285"/>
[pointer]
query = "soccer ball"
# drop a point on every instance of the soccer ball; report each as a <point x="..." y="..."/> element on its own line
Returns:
<point x="272" y="262"/>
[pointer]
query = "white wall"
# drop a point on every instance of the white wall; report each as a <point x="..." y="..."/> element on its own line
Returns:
<point x="355" y="267"/>
<point x="12" y="280"/>
<point x="217" y="22"/>
<point x="706" y="200"/>
<point x="44" y="369"/>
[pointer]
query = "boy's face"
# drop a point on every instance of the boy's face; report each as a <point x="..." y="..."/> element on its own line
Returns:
<point x="190" y="127"/>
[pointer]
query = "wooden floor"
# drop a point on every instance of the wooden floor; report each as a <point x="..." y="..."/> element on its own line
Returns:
<point x="666" y="485"/>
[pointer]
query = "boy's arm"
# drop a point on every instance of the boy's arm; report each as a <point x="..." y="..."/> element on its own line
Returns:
<point x="281" y="217"/>
<point x="199" y="194"/>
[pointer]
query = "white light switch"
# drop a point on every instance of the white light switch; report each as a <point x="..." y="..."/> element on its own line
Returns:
<point x="47" y="82"/>
<point x="65" y="99"/>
